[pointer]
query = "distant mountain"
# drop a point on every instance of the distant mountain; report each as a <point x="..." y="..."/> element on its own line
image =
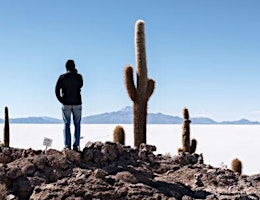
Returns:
<point x="202" y="120"/>
<point x="160" y="118"/>
<point x="35" y="120"/>
<point x="241" y="121"/>
<point x="125" y="116"/>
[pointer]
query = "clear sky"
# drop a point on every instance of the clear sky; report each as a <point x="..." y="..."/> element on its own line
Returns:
<point x="203" y="55"/>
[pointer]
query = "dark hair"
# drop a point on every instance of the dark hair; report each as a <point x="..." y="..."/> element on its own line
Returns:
<point x="70" y="65"/>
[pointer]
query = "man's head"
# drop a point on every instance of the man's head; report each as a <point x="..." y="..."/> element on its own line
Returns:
<point x="70" y="65"/>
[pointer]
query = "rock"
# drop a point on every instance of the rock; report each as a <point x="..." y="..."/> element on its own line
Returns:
<point x="58" y="161"/>
<point x="185" y="197"/>
<point x="40" y="161"/>
<point x="4" y="158"/>
<point x="35" y="181"/>
<point x="113" y="171"/>
<point x="11" y="197"/>
<point x="142" y="174"/>
<point x="98" y="145"/>
<point x="186" y="158"/>
<point x="176" y="190"/>
<point x="120" y="149"/>
<point x="22" y="187"/>
<point x="14" y="172"/>
<point x="71" y="155"/>
<point x="148" y="148"/>
<point x="198" y="181"/>
<point x="142" y="154"/>
<point x="28" y="169"/>
<point x="5" y="155"/>
<point x="151" y="158"/>
<point x="87" y="154"/>
<point x="110" y="151"/>
<point x="81" y="175"/>
<point x="126" y="176"/>
<point x="99" y="157"/>
<point x="89" y="145"/>
<point x="99" y="173"/>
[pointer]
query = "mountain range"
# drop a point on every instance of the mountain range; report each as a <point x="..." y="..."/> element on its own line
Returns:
<point x="125" y="116"/>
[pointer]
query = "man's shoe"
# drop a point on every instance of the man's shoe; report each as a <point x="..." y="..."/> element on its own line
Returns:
<point x="66" y="147"/>
<point x="76" y="149"/>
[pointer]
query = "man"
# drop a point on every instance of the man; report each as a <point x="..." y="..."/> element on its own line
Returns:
<point x="67" y="91"/>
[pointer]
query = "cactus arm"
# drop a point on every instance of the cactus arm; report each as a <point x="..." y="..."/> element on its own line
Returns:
<point x="140" y="51"/>
<point x="150" y="88"/>
<point x="193" y="146"/>
<point x="129" y="82"/>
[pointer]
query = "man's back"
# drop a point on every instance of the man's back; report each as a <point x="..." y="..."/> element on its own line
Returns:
<point x="68" y="88"/>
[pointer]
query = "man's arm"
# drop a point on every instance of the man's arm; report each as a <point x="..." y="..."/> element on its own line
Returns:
<point x="58" y="90"/>
<point x="81" y="81"/>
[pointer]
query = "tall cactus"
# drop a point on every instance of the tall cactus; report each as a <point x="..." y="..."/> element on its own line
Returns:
<point x="144" y="88"/>
<point x="187" y="145"/>
<point x="6" y="129"/>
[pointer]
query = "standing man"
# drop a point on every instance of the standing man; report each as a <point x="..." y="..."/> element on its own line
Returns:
<point x="67" y="91"/>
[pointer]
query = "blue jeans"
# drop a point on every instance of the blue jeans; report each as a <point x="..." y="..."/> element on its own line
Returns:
<point x="75" y="110"/>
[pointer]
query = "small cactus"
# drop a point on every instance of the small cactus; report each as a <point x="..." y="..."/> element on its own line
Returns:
<point x="6" y="129"/>
<point x="187" y="145"/>
<point x="144" y="88"/>
<point x="119" y="135"/>
<point x="236" y="166"/>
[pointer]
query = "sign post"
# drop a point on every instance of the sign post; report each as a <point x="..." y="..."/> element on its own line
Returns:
<point x="47" y="142"/>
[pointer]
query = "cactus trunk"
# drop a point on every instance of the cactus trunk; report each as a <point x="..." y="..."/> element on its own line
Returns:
<point x="186" y="131"/>
<point x="140" y="113"/>
<point x="144" y="88"/>
<point x="6" y="129"/>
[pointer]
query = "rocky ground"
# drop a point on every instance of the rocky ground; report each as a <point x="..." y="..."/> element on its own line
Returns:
<point x="112" y="171"/>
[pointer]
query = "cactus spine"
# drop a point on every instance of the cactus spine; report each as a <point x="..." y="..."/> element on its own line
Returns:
<point x="140" y="93"/>
<point x="6" y="129"/>
<point x="119" y="135"/>
<point x="187" y="145"/>
<point x="236" y="166"/>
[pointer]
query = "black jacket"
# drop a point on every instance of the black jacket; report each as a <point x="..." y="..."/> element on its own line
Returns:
<point x="68" y="88"/>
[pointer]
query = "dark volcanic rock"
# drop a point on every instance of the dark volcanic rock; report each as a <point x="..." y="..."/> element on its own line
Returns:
<point x="113" y="171"/>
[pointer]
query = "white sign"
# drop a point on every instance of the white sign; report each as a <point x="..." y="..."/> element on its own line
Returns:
<point x="47" y="142"/>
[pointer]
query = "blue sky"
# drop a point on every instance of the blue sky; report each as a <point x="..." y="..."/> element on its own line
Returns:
<point x="203" y="55"/>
